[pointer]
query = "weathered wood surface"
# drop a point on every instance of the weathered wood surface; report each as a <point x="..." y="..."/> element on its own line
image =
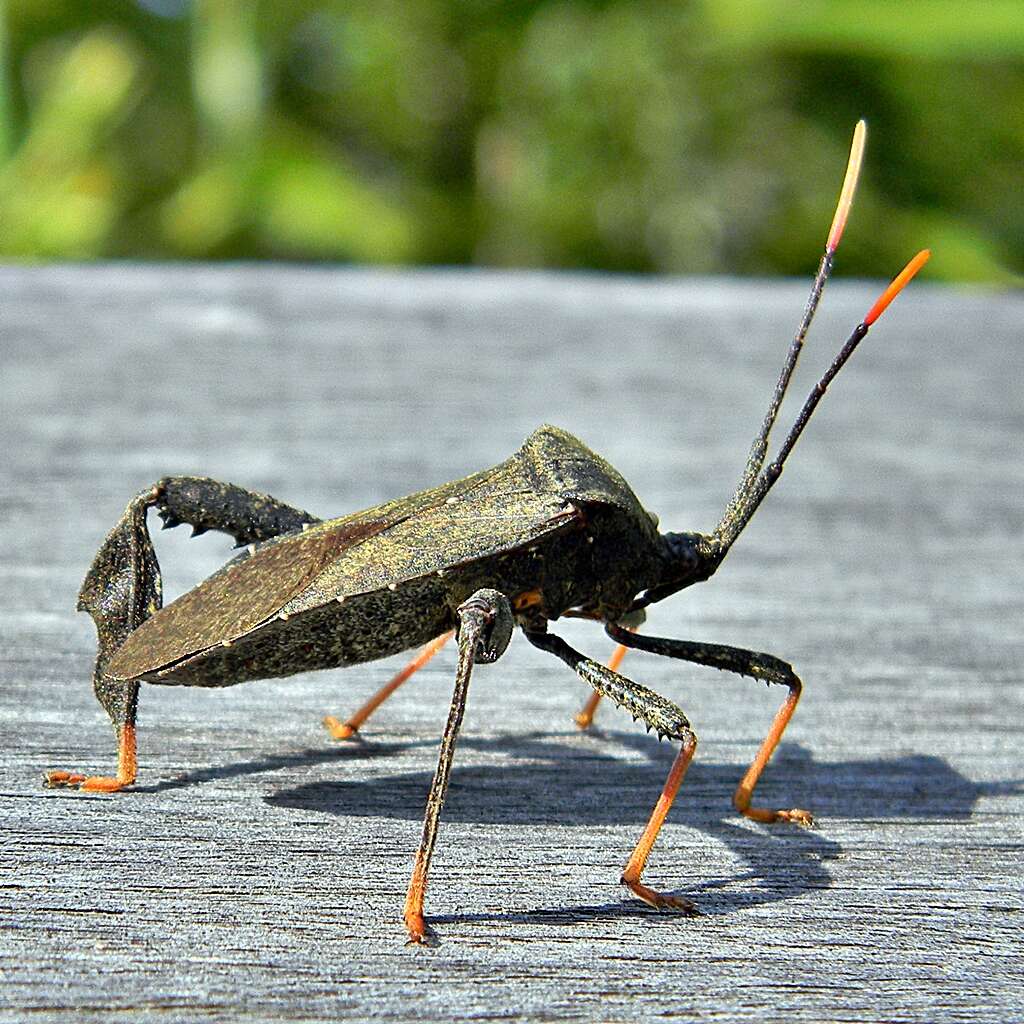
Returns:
<point x="258" y="869"/>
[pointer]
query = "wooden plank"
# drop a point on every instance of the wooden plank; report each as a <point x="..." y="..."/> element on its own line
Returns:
<point x="259" y="868"/>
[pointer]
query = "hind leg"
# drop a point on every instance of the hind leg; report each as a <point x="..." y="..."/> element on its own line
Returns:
<point x="122" y="589"/>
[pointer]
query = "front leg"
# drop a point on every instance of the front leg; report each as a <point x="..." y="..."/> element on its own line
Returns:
<point x="632" y="620"/>
<point x="745" y="663"/>
<point x="123" y="588"/>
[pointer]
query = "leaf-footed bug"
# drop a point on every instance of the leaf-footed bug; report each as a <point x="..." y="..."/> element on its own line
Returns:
<point x="554" y="531"/>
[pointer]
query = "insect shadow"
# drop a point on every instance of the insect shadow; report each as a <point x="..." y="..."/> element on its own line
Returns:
<point x="563" y="784"/>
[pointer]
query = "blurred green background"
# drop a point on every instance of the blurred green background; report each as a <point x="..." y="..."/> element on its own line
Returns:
<point x="694" y="137"/>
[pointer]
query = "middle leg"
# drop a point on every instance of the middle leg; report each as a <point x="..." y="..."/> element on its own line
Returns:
<point x="485" y="628"/>
<point x="347" y="729"/>
<point x="657" y="713"/>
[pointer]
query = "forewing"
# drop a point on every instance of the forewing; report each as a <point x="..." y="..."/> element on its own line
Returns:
<point x="237" y="598"/>
<point x="539" y="490"/>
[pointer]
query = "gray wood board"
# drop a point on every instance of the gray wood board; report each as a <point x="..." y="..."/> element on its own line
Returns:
<point x="258" y="869"/>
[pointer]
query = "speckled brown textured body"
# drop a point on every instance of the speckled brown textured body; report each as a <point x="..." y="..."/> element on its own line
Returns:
<point x="554" y="521"/>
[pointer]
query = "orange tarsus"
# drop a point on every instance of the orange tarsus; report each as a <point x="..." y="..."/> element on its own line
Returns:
<point x="347" y="729"/>
<point x="745" y="790"/>
<point x="127" y="769"/>
<point x="899" y="282"/>
<point x="415" y="924"/>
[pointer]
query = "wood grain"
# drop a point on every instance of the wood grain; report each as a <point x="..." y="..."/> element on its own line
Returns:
<point x="258" y="869"/>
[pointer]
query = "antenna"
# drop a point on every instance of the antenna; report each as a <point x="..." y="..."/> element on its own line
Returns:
<point x="759" y="449"/>
<point x="745" y="503"/>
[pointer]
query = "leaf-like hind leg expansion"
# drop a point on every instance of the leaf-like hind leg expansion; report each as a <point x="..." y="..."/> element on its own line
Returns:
<point x="484" y="630"/>
<point x="657" y="713"/>
<point x="248" y="516"/>
<point x="746" y="663"/>
<point x="347" y="729"/>
<point x="123" y="588"/>
<point x="120" y="591"/>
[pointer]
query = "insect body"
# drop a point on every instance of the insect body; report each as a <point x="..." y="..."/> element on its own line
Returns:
<point x="554" y="527"/>
<point x="552" y="531"/>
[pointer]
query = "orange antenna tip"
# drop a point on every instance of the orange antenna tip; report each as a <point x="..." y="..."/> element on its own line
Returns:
<point x="899" y="282"/>
<point x="849" y="186"/>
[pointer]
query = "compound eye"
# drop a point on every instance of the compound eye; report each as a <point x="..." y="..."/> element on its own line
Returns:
<point x="683" y="548"/>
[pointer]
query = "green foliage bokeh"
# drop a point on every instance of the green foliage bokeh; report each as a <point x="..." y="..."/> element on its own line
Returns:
<point x="700" y="137"/>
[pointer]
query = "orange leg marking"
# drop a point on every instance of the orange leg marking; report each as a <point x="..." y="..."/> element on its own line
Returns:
<point x="745" y="790"/>
<point x="635" y="866"/>
<point x="345" y="730"/>
<point x="585" y="718"/>
<point x="127" y="768"/>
